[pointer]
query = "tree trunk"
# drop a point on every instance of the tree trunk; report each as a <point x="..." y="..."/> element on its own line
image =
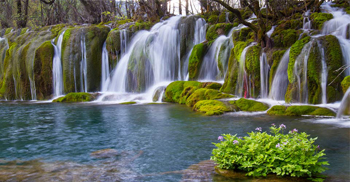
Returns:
<point x="187" y="12"/>
<point x="180" y="8"/>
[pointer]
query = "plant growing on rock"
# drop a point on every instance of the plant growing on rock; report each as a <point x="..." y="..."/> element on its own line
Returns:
<point x="259" y="153"/>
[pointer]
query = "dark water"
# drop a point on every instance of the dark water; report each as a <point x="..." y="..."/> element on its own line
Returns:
<point x="162" y="137"/>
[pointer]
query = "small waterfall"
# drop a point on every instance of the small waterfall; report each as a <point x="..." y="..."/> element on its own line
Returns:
<point x="57" y="75"/>
<point x="227" y="17"/>
<point x="269" y="33"/>
<point x="280" y="81"/>
<point x="300" y="72"/>
<point x="242" y="86"/>
<point x="264" y="75"/>
<point x="105" y="69"/>
<point x="324" y="74"/>
<point x="306" y="21"/>
<point x="123" y="41"/>
<point x="344" y="104"/>
<point x="340" y="27"/>
<point x="83" y="66"/>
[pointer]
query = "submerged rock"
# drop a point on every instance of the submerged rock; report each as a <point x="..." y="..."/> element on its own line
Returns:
<point x="104" y="153"/>
<point x="77" y="97"/>
<point x="280" y="110"/>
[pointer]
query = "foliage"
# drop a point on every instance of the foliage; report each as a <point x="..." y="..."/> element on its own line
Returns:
<point x="260" y="153"/>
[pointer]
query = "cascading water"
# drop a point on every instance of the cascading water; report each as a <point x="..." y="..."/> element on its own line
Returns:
<point x="83" y="66"/>
<point x="345" y="104"/>
<point x="57" y="75"/>
<point x="264" y="76"/>
<point x="199" y="37"/>
<point x="340" y="27"/>
<point x="324" y="74"/>
<point x="306" y="21"/>
<point x="269" y="33"/>
<point x="300" y="72"/>
<point x="105" y="69"/>
<point x="280" y="82"/>
<point x="123" y="41"/>
<point x="242" y="87"/>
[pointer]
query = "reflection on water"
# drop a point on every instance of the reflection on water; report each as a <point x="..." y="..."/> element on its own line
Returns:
<point x="171" y="138"/>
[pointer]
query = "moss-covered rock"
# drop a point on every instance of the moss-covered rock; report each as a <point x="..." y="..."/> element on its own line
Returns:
<point x="196" y="59"/>
<point x="76" y="97"/>
<point x="43" y="70"/>
<point x="144" y="25"/>
<point x="128" y="103"/>
<point x="211" y="107"/>
<point x="300" y="111"/>
<point x="252" y="65"/>
<point x="249" y="105"/>
<point x="205" y="94"/>
<point x="345" y="84"/>
<point x="213" y="19"/>
<point x="216" y="30"/>
<point x="243" y="34"/>
<point x="285" y="35"/>
<point x="317" y="19"/>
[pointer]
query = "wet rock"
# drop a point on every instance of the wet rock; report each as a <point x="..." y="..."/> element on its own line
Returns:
<point x="280" y="110"/>
<point x="248" y="105"/>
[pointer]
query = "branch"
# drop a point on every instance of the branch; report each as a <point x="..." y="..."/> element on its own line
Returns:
<point x="238" y="15"/>
<point x="48" y="2"/>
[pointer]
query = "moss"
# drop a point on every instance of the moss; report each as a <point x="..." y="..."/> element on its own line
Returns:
<point x="249" y="105"/>
<point x="276" y="58"/>
<point x="216" y="30"/>
<point x="128" y="103"/>
<point x="222" y="17"/>
<point x="345" y="84"/>
<point x="229" y="85"/>
<point x="252" y="64"/>
<point x="195" y="60"/>
<point x="242" y="34"/>
<point x="43" y="70"/>
<point x="295" y="50"/>
<point x="76" y="97"/>
<point x="300" y="111"/>
<point x="147" y="25"/>
<point x="204" y="94"/>
<point x="285" y="36"/>
<point x="210" y="107"/>
<point x="173" y="91"/>
<point x="8" y="30"/>
<point x="23" y="31"/>
<point x="318" y="19"/>
<point x="212" y="85"/>
<point x="56" y="29"/>
<point x="213" y="19"/>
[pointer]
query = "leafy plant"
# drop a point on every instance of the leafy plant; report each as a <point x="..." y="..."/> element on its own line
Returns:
<point x="260" y="153"/>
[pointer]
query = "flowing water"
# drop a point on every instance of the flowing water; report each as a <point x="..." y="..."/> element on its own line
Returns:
<point x="264" y="76"/>
<point x="345" y="104"/>
<point x="105" y="79"/>
<point x="57" y="75"/>
<point x="154" y="142"/>
<point x="280" y="82"/>
<point x="83" y="66"/>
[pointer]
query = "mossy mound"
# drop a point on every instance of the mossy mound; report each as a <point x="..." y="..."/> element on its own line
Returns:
<point x="300" y="111"/>
<point x="76" y="97"/>
<point x="196" y="59"/>
<point x="286" y="33"/>
<point x="145" y="25"/>
<point x="216" y="30"/>
<point x="205" y="94"/>
<point x="317" y="19"/>
<point x="243" y="34"/>
<point x="248" y="105"/>
<point x="211" y="107"/>
<point x="43" y="70"/>
<point x="345" y="84"/>
<point x="176" y="90"/>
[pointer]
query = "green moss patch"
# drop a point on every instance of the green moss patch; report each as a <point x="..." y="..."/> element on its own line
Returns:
<point x="128" y="103"/>
<point x="76" y="97"/>
<point x="196" y="59"/>
<point x="300" y="111"/>
<point x="345" y="84"/>
<point x="211" y="107"/>
<point x="295" y="50"/>
<point x="216" y="30"/>
<point x="249" y="105"/>
<point x="318" y="19"/>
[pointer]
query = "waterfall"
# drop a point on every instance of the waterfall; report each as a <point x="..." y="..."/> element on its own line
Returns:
<point x="300" y="71"/>
<point x="242" y="86"/>
<point x="83" y="66"/>
<point x="57" y="75"/>
<point x="280" y="81"/>
<point x="324" y="74"/>
<point x="344" y="104"/>
<point x="105" y="69"/>
<point x="269" y="33"/>
<point x="123" y="41"/>
<point x="227" y="17"/>
<point x="306" y="21"/>
<point x="264" y="75"/>
<point x="339" y="26"/>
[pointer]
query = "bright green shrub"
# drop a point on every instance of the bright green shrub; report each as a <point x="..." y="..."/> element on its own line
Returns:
<point x="260" y="153"/>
